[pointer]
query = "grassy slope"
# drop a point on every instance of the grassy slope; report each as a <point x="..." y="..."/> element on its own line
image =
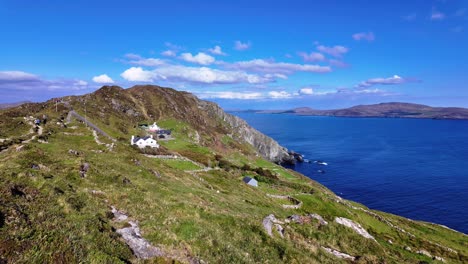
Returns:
<point x="51" y="214"/>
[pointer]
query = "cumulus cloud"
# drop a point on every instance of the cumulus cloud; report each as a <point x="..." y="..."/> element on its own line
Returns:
<point x="259" y="65"/>
<point x="437" y="15"/>
<point x="384" y="81"/>
<point x="137" y="74"/>
<point x="139" y="60"/>
<point x="201" y="58"/>
<point x="369" y="36"/>
<point x="338" y="63"/>
<point x="17" y="81"/>
<point x="169" y="53"/>
<point x="200" y="75"/>
<point x="312" y="57"/>
<point x="16" y="76"/>
<point x="103" y="78"/>
<point x="335" y="51"/>
<point x="238" y="45"/>
<point x="230" y="95"/>
<point x="306" y="91"/>
<point x="279" y="94"/>
<point x="216" y="50"/>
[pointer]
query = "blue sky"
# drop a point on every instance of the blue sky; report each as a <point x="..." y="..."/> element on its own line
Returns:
<point x="241" y="54"/>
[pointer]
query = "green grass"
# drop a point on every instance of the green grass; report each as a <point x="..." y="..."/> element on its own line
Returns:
<point x="181" y="165"/>
<point x="212" y="216"/>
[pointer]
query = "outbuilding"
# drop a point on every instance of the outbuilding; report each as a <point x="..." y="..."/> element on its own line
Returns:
<point x="250" y="181"/>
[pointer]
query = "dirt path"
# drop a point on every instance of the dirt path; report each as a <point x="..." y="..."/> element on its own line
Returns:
<point x="72" y="113"/>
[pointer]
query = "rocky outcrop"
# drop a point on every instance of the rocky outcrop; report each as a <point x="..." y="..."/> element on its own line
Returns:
<point x="355" y="226"/>
<point x="266" y="146"/>
<point x="339" y="254"/>
<point x="269" y="222"/>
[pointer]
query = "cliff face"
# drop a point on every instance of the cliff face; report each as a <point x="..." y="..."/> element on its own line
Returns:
<point x="266" y="146"/>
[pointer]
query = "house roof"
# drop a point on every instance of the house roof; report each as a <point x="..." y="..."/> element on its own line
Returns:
<point x="136" y="139"/>
<point x="247" y="179"/>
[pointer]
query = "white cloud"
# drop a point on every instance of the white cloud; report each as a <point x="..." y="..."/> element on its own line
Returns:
<point x="103" y="78"/>
<point x="338" y="63"/>
<point x="306" y="91"/>
<point x="81" y="83"/>
<point x="205" y="75"/>
<point x="384" y="81"/>
<point x="201" y="58"/>
<point x="437" y="15"/>
<point x="279" y="94"/>
<point x="335" y="51"/>
<point x="259" y="65"/>
<point x="216" y="50"/>
<point x="19" y="81"/>
<point x="169" y="53"/>
<point x="139" y="60"/>
<point x="137" y="74"/>
<point x="369" y="36"/>
<point x="238" y="45"/>
<point x="14" y="76"/>
<point x="312" y="57"/>
<point x="230" y="95"/>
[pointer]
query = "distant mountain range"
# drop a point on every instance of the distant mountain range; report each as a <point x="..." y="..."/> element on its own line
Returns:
<point x="393" y="110"/>
<point x="9" y="105"/>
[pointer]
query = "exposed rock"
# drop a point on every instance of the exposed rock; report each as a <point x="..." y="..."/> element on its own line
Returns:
<point x="119" y="216"/>
<point x="355" y="226"/>
<point x="319" y="218"/>
<point x="140" y="246"/>
<point x="424" y="252"/>
<point x="19" y="148"/>
<point x="74" y="152"/>
<point x="339" y="254"/>
<point x="268" y="223"/>
<point x="306" y="219"/>
<point x="266" y="146"/>
<point x="280" y="230"/>
<point x="98" y="193"/>
<point x="156" y="173"/>
<point x="84" y="169"/>
<point x="439" y="258"/>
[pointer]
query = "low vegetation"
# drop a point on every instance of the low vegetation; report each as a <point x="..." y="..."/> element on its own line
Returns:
<point x="49" y="212"/>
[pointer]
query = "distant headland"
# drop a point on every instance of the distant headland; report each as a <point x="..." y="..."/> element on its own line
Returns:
<point x="391" y="110"/>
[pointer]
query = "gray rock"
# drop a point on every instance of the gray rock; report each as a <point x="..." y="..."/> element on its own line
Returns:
<point x="338" y="254"/>
<point x="268" y="223"/>
<point x="140" y="246"/>
<point x="355" y="226"/>
<point x="319" y="218"/>
<point x="424" y="252"/>
<point x="266" y="146"/>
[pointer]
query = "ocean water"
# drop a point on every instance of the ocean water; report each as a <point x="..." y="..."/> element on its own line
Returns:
<point x="417" y="168"/>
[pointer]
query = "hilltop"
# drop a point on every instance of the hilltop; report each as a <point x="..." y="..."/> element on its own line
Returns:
<point x="392" y="110"/>
<point x="74" y="190"/>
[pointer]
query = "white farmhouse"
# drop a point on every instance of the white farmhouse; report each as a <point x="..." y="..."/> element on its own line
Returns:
<point x="143" y="142"/>
<point x="153" y="127"/>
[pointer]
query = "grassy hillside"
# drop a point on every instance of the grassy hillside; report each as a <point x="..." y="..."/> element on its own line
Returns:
<point x="194" y="209"/>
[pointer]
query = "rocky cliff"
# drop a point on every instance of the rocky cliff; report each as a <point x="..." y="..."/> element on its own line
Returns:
<point x="265" y="145"/>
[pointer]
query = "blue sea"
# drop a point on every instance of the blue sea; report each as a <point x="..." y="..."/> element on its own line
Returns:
<point x="417" y="168"/>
